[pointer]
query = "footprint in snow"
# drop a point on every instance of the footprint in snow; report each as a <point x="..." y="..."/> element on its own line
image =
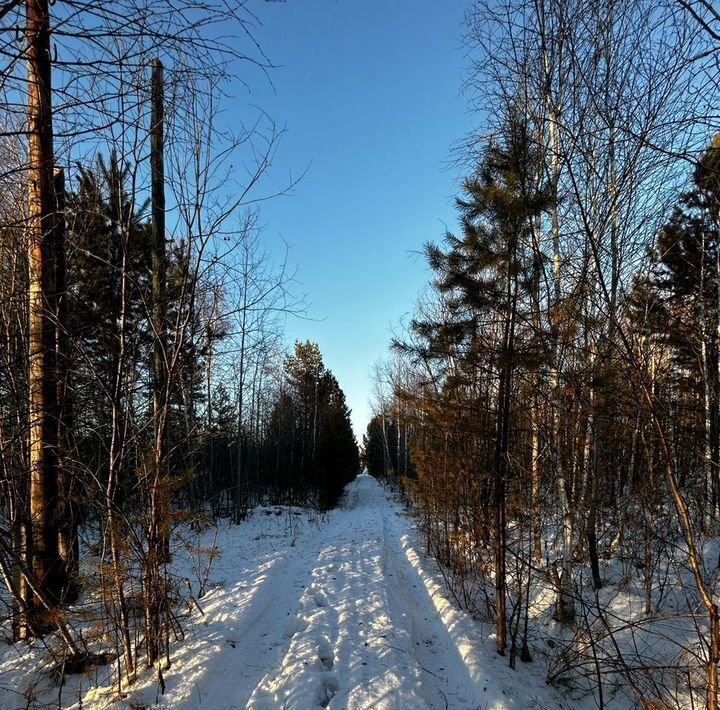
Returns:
<point x="319" y="597"/>
<point x="297" y="624"/>
<point x="264" y="701"/>
<point x="329" y="686"/>
<point x="326" y="654"/>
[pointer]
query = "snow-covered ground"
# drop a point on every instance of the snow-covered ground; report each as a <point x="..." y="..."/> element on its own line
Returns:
<point x="341" y="611"/>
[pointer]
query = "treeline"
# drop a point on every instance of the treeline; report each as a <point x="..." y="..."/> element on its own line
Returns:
<point x="246" y="424"/>
<point x="144" y="385"/>
<point x="552" y="409"/>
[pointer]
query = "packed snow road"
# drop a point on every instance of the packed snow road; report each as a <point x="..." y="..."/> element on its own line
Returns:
<point x="340" y="612"/>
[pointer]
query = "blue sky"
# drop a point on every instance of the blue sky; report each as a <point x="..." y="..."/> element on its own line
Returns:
<point x="370" y="93"/>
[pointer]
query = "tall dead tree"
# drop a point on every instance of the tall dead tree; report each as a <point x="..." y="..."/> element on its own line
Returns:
<point x="158" y="538"/>
<point x="159" y="521"/>
<point x="45" y="560"/>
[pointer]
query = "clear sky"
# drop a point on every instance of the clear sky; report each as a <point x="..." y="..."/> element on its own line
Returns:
<point x="370" y="93"/>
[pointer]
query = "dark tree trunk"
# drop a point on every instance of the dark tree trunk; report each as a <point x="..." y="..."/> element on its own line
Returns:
<point x="159" y="513"/>
<point x="68" y="541"/>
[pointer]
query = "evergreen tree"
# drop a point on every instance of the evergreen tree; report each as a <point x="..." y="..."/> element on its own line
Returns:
<point x="487" y="277"/>
<point x="311" y="434"/>
<point x="337" y="459"/>
<point x="374" y="448"/>
<point x="680" y="305"/>
<point x="105" y="227"/>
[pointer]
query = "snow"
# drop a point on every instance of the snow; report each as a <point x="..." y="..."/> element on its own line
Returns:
<point x="303" y="610"/>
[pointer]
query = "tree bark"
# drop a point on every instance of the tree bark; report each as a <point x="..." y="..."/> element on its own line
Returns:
<point x="68" y="541"/>
<point x="159" y="504"/>
<point x="45" y="561"/>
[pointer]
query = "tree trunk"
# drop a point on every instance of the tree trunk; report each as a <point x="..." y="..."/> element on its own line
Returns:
<point x="499" y="517"/>
<point x="159" y="504"/>
<point x="591" y="531"/>
<point x="68" y="541"/>
<point x="117" y="444"/>
<point x="535" y="472"/>
<point x="565" y="607"/>
<point x="45" y="562"/>
<point x="501" y="458"/>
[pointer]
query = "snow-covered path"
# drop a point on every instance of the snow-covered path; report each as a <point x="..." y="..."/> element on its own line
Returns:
<point x="304" y="611"/>
<point x="341" y="613"/>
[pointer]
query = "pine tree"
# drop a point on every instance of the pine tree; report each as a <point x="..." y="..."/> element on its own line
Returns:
<point x="107" y="233"/>
<point x="488" y="276"/>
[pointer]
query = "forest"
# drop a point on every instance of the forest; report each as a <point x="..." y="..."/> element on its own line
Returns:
<point x="551" y="407"/>
<point x="145" y="382"/>
<point x="180" y="478"/>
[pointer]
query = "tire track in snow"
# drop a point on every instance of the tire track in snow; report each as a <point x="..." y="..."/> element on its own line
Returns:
<point x="353" y="649"/>
<point x="445" y="680"/>
<point x="377" y="670"/>
<point x="349" y="615"/>
<point x="305" y="677"/>
<point x="260" y="615"/>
